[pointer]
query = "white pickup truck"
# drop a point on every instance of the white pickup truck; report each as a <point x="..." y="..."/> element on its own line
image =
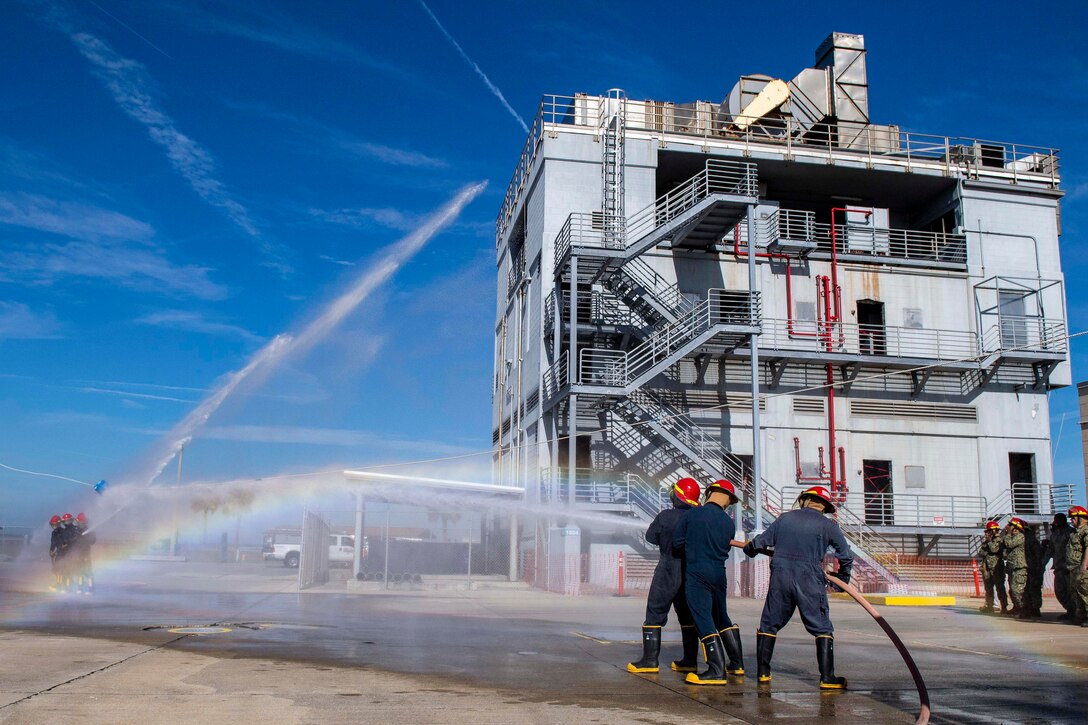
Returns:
<point x="286" y="545"/>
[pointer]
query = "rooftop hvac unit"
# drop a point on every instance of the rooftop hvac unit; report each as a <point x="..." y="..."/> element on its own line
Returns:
<point x="694" y="117"/>
<point x="1036" y="163"/>
<point x="584" y="110"/>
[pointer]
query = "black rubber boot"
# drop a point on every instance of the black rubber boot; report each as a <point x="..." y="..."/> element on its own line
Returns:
<point x="764" y="650"/>
<point x="690" y="662"/>
<point x="715" y="663"/>
<point x="651" y="647"/>
<point x="734" y="652"/>
<point x="825" y="658"/>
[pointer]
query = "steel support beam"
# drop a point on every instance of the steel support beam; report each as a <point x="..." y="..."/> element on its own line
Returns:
<point x="757" y="455"/>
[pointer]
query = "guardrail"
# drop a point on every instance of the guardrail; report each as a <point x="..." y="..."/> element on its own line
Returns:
<point x="556" y="377"/>
<point x="1025" y="333"/>
<point x="666" y="293"/>
<point x="894" y="244"/>
<point x="855" y="339"/>
<point x="618" y="368"/>
<point x="735" y="178"/>
<point x="904" y="509"/>
<point x="1032" y="499"/>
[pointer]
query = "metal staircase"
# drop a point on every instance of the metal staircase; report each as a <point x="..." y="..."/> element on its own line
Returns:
<point x="706" y="457"/>
<point x="724" y="313"/>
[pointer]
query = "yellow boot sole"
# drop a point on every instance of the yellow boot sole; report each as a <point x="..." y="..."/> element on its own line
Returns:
<point x="677" y="668"/>
<point x="693" y="679"/>
<point x="631" y="668"/>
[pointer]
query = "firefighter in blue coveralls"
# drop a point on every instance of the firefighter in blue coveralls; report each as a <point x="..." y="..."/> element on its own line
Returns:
<point x="704" y="534"/>
<point x="800" y="539"/>
<point x="667" y="586"/>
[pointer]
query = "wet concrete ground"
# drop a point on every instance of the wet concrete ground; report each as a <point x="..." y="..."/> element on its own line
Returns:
<point x="502" y="655"/>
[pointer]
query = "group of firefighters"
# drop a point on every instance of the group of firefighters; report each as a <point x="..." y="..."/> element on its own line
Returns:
<point x="1015" y="552"/>
<point x="694" y="538"/>
<point x="70" y="551"/>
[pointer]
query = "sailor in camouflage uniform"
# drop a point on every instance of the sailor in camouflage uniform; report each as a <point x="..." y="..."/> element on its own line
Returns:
<point x="1055" y="551"/>
<point x="1075" y="563"/>
<point x="993" y="568"/>
<point x="1016" y="564"/>
<point x="1033" y="595"/>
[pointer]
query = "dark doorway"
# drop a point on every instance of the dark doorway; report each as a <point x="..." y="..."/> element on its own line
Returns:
<point x="877" y="476"/>
<point x="1025" y="496"/>
<point x="871" y="335"/>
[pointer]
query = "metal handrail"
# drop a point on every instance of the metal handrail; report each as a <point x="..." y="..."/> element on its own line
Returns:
<point x="621" y="367"/>
<point x="883" y="340"/>
<point x="1031" y="499"/>
<point x="891" y="244"/>
<point x="556" y="377"/>
<point x="664" y="291"/>
<point x="717" y="177"/>
<point x="1025" y="333"/>
<point x="904" y="509"/>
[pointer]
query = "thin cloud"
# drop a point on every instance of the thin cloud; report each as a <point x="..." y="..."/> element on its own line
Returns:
<point x="19" y="322"/>
<point x="392" y="156"/>
<point x="190" y="321"/>
<point x="69" y="219"/>
<point x="138" y="267"/>
<point x="130" y="394"/>
<point x="130" y="85"/>
<point x="367" y="217"/>
<point x="340" y="437"/>
<point x="329" y="137"/>
<point x="483" y="76"/>
<point x="334" y="260"/>
<point x="261" y="23"/>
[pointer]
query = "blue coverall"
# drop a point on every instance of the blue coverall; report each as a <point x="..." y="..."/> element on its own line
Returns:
<point x="667" y="586"/>
<point x="800" y="539"/>
<point x="704" y="534"/>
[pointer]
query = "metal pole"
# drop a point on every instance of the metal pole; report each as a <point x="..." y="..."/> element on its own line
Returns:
<point x="574" y="375"/>
<point x="513" y="547"/>
<point x="385" y="576"/>
<point x="757" y="462"/>
<point x="358" y="564"/>
<point x="174" y="508"/>
<point x="470" y="557"/>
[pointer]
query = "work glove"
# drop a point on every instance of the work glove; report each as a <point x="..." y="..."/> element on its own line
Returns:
<point x="750" y="549"/>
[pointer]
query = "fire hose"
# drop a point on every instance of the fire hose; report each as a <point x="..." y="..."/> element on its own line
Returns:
<point x="923" y="693"/>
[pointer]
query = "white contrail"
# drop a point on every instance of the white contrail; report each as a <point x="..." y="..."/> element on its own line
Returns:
<point x="131" y="87"/>
<point x="491" y="86"/>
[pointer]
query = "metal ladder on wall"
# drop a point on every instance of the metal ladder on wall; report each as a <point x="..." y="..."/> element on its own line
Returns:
<point x="613" y="112"/>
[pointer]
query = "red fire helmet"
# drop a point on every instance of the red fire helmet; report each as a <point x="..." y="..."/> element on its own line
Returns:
<point x="687" y="490"/>
<point x="723" y="486"/>
<point x="821" y="493"/>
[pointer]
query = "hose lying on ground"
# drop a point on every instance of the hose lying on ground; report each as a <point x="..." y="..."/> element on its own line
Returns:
<point x="923" y="693"/>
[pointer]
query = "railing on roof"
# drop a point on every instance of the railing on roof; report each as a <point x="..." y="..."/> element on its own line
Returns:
<point x="869" y="144"/>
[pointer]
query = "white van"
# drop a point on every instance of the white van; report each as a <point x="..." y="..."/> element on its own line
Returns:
<point x="286" y="545"/>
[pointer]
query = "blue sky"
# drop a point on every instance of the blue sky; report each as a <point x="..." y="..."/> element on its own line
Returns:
<point x="180" y="181"/>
